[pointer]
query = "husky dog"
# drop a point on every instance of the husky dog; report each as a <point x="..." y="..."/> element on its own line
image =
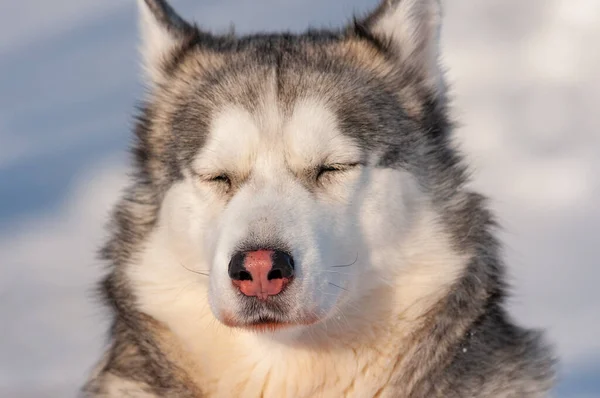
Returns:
<point x="299" y="224"/>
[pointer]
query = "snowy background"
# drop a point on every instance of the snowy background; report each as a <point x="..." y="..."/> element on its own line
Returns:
<point x="527" y="89"/>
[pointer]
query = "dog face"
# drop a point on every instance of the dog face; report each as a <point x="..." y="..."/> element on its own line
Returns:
<point x="288" y="168"/>
<point x="284" y="186"/>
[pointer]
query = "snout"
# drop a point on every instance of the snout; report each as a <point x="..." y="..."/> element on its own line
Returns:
<point x="261" y="273"/>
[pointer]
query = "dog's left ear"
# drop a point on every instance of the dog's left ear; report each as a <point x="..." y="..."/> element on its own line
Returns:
<point x="409" y="30"/>
<point x="162" y="31"/>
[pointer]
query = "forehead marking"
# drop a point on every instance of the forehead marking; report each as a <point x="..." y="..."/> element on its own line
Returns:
<point x="233" y="135"/>
<point x="252" y="140"/>
<point x="312" y="134"/>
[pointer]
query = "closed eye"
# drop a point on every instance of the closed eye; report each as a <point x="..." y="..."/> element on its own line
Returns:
<point x="334" y="168"/>
<point x="221" y="179"/>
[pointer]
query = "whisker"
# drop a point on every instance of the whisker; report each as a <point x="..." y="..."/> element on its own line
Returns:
<point x="191" y="270"/>
<point x="347" y="265"/>
<point x="337" y="272"/>
<point x="339" y="287"/>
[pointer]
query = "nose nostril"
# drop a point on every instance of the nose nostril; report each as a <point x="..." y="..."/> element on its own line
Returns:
<point x="244" y="276"/>
<point x="274" y="274"/>
<point x="237" y="271"/>
<point x="283" y="266"/>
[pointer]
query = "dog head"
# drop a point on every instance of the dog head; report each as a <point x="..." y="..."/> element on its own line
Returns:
<point x="288" y="168"/>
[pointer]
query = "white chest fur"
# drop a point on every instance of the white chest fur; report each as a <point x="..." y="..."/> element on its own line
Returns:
<point x="244" y="364"/>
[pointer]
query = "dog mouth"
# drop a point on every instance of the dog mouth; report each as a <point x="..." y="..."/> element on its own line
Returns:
<point x="268" y="315"/>
<point x="260" y="324"/>
<point x="263" y="321"/>
<point x="267" y="324"/>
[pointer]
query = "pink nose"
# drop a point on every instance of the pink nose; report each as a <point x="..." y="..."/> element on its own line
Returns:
<point x="261" y="273"/>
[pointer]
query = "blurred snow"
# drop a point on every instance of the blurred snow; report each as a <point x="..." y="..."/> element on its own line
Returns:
<point x="55" y="324"/>
<point x="526" y="91"/>
<point x="25" y="21"/>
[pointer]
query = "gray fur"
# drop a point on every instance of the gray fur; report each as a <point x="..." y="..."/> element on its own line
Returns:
<point x="470" y="347"/>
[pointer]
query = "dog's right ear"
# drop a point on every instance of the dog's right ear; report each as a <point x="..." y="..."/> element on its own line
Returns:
<point x="162" y="31"/>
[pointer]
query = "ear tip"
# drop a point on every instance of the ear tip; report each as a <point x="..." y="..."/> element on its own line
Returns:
<point x="161" y="12"/>
<point x="148" y="4"/>
<point x="153" y="3"/>
<point x="162" y="30"/>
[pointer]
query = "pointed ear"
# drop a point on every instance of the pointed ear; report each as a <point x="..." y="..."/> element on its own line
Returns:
<point x="409" y="29"/>
<point x="162" y="31"/>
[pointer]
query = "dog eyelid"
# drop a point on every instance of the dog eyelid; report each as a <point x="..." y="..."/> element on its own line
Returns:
<point x="335" y="167"/>
<point x="212" y="177"/>
<point x="220" y="178"/>
<point x="339" y="166"/>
